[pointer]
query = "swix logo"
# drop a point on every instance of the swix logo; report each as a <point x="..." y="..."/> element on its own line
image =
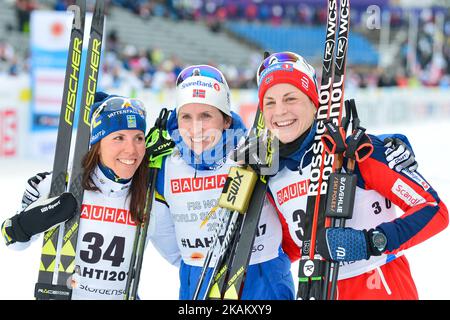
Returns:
<point x="197" y="184"/>
<point x="234" y="188"/>
<point x="406" y="193"/>
<point x="292" y="191"/>
<point x="106" y="214"/>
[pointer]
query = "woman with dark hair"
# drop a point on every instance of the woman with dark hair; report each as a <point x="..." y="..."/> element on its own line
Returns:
<point x="114" y="179"/>
<point x="370" y="247"/>
<point x="183" y="222"/>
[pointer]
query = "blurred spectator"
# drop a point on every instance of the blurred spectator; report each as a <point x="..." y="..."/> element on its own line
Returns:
<point x="386" y="79"/>
<point x="126" y="64"/>
<point x="6" y="51"/>
<point x="60" y="5"/>
<point x="251" y="12"/>
<point x="23" y="11"/>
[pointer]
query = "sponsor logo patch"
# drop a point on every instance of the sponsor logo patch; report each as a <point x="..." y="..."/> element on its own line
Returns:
<point x="198" y="83"/>
<point x="106" y="214"/>
<point x="292" y="191"/>
<point x="417" y="178"/>
<point x="406" y="193"/>
<point x="197" y="184"/>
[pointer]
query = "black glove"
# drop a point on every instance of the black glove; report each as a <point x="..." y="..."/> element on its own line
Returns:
<point x="158" y="141"/>
<point x="399" y="155"/>
<point x="348" y="244"/>
<point x="253" y="151"/>
<point x="31" y="193"/>
<point x="39" y="217"/>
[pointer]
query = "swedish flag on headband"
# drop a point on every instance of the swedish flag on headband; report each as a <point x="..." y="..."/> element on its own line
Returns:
<point x="112" y="113"/>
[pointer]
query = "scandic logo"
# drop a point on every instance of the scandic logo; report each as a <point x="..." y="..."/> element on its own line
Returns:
<point x="292" y="191"/>
<point x="406" y="193"/>
<point x="197" y="184"/>
<point x="106" y="214"/>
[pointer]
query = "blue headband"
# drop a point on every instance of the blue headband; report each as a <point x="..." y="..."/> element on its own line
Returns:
<point x="115" y="113"/>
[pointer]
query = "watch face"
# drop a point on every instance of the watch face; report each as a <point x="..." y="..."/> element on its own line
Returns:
<point x="379" y="240"/>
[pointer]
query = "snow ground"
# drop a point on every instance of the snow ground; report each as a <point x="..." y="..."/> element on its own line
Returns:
<point x="429" y="261"/>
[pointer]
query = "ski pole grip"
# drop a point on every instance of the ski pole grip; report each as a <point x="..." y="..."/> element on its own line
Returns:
<point x="334" y="138"/>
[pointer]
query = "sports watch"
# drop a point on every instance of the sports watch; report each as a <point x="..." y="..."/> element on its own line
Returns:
<point x="379" y="240"/>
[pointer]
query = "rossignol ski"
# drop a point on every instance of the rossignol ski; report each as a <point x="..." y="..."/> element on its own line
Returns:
<point x="313" y="269"/>
<point x="342" y="184"/>
<point x="55" y="280"/>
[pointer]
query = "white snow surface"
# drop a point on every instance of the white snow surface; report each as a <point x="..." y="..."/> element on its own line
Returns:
<point x="429" y="261"/>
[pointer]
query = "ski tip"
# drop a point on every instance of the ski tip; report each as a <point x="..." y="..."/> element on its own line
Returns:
<point x="99" y="15"/>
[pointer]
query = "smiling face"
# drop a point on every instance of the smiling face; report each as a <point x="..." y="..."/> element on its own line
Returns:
<point x="201" y="126"/>
<point x="288" y="112"/>
<point x="122" y="151"/>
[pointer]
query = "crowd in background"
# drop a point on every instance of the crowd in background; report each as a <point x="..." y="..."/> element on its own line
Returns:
<point x="152" y="68"/>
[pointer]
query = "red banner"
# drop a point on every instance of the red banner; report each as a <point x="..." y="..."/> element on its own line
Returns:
<point x="8" y="132"/>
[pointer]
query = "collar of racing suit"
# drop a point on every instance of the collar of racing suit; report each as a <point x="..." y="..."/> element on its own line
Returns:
<point x="296" y="155"/>
<point x="109" y="187"/>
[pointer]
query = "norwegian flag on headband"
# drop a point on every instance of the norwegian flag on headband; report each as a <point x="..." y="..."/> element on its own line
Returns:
<point x="198" y="93"/>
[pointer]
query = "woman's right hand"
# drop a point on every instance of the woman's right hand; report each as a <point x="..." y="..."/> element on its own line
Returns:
<point x="31" y="193"/>
<point x="39" y="217"/>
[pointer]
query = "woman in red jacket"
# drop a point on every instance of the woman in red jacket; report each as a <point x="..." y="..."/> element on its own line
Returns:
<point x="370" y="248"/>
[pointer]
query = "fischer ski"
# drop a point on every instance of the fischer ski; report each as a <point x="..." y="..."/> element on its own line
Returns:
<point x="240" y="258"/>
<point x="64" y="135"/>
<point x="155" y="164"/>
<point x="229" y="273"/>
<point x="313" y="269"/>
<point x="57" y="274"/>
<point x="234" y="202"/>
